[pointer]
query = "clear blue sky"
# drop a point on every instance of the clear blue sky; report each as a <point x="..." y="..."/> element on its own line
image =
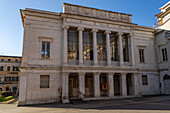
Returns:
<point x="11" y="29"/>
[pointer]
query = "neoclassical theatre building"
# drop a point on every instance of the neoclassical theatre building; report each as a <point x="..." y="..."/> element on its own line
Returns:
<point x="85" y="53"/>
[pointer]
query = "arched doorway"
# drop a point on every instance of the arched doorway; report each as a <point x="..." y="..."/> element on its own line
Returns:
<point x="166" y="82"/>
<point x="73" y="85"/>
<point x="129" y="84"/>
<point x="117" y="85"/>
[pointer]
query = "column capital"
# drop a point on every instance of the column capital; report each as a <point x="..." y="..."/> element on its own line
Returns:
<point x="107" y="32"/>
<point x="120" y="33"/>
<point x="65" y="73"/>
<point x="111" y="73"/>
<point x="81" y="73"/>
<point x="94" y="30"/>
<point x="96" y="73"/>
<point x="65" y="27"/>
<point x="131" y="34"/>
<point x="80" y="28"/>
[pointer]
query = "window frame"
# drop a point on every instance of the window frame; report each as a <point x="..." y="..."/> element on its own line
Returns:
<point x="144" y="80"/>
<point x="164" y="54"/>
<point x="1" y="69"/>
<point x="7" y="68"/>
<point x="42" y="86"/>
<point x="141" y="55"/>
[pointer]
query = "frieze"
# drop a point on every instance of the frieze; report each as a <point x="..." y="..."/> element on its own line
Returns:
<point x="92" y="12"/>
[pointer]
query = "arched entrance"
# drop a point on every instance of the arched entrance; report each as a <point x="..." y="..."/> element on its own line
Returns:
<point x="117" y="86"/>
<point x="166" y="82"/>
<point x="73" y="85"/>
<point x="129" y="84"/>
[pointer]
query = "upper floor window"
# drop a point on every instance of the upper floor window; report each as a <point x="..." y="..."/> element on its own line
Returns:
<point x="9" y="60"/>
<point x="8" y="68"/>
<point x="1" y="68"/>
<point x="15" y="68"/>
<point x="1" y="78"/>
<point x="141" y="55"/>
<point x="125" y="44"/>
<point x="15" y="78"/>
<point x="73" y="44"/>
<point x="44" y="81"/>
<point x="101" y="46"/>
<point x="164" y="54"/>
<point x="87" y="45"/>
<point x="7" y="78"/>
<point x="16" y="60"/>
<point x="114" y="47"/>
<point x="45" y="54"/>
<point x="2" y="60"/>
<point x="144" y="80"/>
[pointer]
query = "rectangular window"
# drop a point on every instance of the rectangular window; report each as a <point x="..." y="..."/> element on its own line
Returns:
<point x="15" y="78"/>
<point x="44" y="81"/>
<point x="141" y="55"/>
<point x="73" y="44"/>
<point x="101" y="46"/>
<point x="16" y="60"/>
<point x="125" y="44"/>
<point x="1" y="78"/>
<point x="9" y="60"/>
<point x="8" y="68"/>
<point x="144" y="80"/>
<point x="2" y="60"/>
<point x="1" y="68"/>
<point x="15" y="68"/>
<point x="87" y="45"/>
<point x="45" y="54"/>
<point x="114" y="47"/>
<point x="164" y="54"/>
<point x="8" y="78"/>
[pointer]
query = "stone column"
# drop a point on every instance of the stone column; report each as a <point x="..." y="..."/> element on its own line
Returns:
<point x="95" y="46"/>
<point x="65" y="83"/>
<point x="132" y="50"/>
<point x="108" y="47"/>
<point x="65" y="51"/>
<point x="80" y="29"/>
<point x="120" y="49"/>
<point x="81" y="85"/>
<point x="111" y="84"/>
<point x="124" y="87"/>
<point x="96" y="85"/>
<point x="23" y="89"/>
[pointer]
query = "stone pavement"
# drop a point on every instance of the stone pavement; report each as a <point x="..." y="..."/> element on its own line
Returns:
<point x="158" y="104"/>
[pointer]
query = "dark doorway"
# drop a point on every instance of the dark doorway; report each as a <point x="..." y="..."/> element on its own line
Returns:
<point x="117" y="85"/>
<point x="73" y="85"/>
<point x="129" y="84"/>
<point x="89" y="85"/>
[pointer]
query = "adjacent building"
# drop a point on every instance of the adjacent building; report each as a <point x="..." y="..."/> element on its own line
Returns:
<point x="9" y="77"/>
<point x="162" y="46"/>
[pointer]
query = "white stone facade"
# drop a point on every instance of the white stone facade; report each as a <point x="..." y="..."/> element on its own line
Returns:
<point x="123" y="79"/>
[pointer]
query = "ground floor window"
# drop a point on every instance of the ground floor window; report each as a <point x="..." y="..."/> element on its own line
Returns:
<point x="44" y="81"/>
<point x="144" y="80"/>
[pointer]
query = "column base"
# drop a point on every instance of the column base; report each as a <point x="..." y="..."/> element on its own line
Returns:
<point x="65" y="101"/>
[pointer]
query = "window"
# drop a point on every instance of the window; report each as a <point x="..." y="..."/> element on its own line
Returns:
<point x="141" y="55"/>
<point x="16" y="60"/>
<point x="45" y="50"/>
<point x="73" y="44"/>
<point x="144" y="80"/>
<point x="125" y="44"/>
<point x="15" y="78"/>
<point x="2" y="60"/>
<point x="8" y="89"/>
<point x="101" y="46"/>
<point x="164" y="54"/>
<point x="1" y="78"/>
<point x="7" y="78"/>
<point x="15" y="68"/>
<point x="114" y="47"/>
<point x="44" y="81"/>
<point x="9" y="60"/>
<point x="1" y="68"/>
<point x="14" y="90"/>
<point x="8" y="68"/>
<point x="87" y="45"/>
